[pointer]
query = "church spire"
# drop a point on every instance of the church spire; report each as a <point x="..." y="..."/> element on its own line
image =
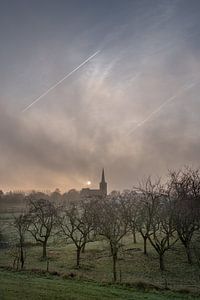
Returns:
<point x="103" y="176"/>
<point x="103" y="184"/>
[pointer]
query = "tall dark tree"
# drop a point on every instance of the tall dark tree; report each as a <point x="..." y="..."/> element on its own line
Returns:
<point x="132" y="208"/>
<point x="112" y="223"/>
<point x="76" y="223"/>
<point x="163" y="235"/>
<point x="185" y="191"/>
<point x="21" y="227"/>
<point x="148" y="195"/>
<point x="42" y="219"/>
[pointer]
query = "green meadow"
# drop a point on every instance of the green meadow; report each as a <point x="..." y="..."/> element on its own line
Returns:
<point x="27" y="286"/>
<point x="59" y="278"/>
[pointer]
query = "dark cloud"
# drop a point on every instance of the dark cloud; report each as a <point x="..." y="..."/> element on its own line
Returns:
<point x="149" y="52"/>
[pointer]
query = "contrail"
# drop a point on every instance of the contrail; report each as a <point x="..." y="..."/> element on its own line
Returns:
<point x="60" y="81"/>
<point x="159" y="108"/>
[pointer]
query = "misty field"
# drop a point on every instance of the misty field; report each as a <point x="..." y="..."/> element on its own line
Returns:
<point x="26" y="286"/>
<point x="134" y="269"/>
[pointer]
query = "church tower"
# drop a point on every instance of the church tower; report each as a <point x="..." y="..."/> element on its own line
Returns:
<point x="103" y="184"/>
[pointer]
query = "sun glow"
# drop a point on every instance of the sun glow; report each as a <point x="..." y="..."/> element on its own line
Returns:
<point x="89" y="182"/>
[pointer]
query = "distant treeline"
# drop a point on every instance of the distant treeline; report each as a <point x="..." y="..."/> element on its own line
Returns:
<point x="16" y="201"/>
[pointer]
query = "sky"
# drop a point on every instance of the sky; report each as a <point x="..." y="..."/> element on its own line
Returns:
<point x="132" y="109"/>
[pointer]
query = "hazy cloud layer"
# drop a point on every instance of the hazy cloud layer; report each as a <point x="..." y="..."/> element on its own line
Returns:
<point x="150" y="51"/>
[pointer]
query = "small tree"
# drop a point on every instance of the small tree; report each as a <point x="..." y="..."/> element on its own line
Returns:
<point x="162" y="238"/>
<point x="21" y="226"/>
<point x="133" y="209"/>
<point x="42" y="219"/>
<point x="196" y="248"/>
<point x="148" y="196"/>
<point x="112" y="223"/>
<point x="185" y="192"/>
<point x="76" y="224"/>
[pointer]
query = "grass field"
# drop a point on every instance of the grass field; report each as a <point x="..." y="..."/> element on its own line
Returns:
<point x="26" y="286"/>
<point x="96" y="265"/>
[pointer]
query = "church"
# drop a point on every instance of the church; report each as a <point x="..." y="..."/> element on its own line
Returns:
<point x="100" y="193"/>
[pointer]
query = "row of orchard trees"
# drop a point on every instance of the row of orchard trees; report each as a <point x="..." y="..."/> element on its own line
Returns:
<point x="162" y="213"/>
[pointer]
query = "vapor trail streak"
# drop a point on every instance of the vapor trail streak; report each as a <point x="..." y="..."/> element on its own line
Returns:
<point x="159" y="108"/>
<point x="60" y="81"/>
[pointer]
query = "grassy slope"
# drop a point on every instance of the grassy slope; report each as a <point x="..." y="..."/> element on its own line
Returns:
<point x="97" y="264"/>
<point x="14" y="286"/>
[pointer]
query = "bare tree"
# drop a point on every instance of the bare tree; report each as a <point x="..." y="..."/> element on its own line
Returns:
<point x="112" y="223"/>
<point x="196" y="247"/>
<point x="76" y="224"/>
<point x="148" y="195"/>
<point x="185" y="191"/>
<point x="133" y="208"/>
<point x="42" y="219"/>
<point x="163" y="228"/>
<point x="21" y="226"/>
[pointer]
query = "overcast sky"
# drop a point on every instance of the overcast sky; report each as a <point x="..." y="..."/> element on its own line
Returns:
<point x="133" y="109"/>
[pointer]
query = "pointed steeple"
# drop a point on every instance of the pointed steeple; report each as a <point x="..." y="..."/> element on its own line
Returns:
<point x="103" y="184"/>
<point x="103" y="176"/>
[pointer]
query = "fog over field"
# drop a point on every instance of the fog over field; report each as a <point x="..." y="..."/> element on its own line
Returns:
<point x="133" y="108"/>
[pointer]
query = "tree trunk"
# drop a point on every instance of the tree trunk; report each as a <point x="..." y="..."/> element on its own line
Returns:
<point x="161" y="261"/>
<point x="44" y="253"/>
<point x="168" y="241"/>
<point x="145" y="244"/>
<point x="83" y="248"/>
<point x="78" y="252"/>
<point x="134" y="236"/>
<point x="22" y="256"/>
<point x="114" y="267"/>
<point x="47" y="265"/>
<point x="189" y="255"/>
<point x="17" y="263"/>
